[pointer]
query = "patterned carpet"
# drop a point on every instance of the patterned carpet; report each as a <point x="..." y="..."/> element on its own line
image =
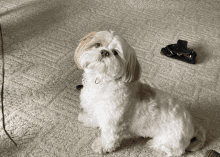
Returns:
<point x="40" y="100"/>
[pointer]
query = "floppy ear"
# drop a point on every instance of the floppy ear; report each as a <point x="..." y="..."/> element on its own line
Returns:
<point x="133" y="71"/>
<point x="82" y="46"/>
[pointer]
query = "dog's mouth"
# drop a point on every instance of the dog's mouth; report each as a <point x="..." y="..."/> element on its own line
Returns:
<point x="100" y="59"/>
<point x="99" y="64"/>
<point x="106" y="65"/>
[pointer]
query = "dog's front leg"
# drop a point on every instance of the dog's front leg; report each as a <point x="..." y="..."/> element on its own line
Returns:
<point x="109" y="140"/>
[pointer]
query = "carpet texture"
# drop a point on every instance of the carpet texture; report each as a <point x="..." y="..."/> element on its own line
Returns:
<point x="40" y="98"/>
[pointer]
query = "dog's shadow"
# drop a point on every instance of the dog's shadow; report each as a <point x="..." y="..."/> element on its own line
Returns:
<point x="131" y="142"/>
<point x="207" y="115"/>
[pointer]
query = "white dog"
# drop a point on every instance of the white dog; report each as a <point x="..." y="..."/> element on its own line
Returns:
<point x="115" y="100"/>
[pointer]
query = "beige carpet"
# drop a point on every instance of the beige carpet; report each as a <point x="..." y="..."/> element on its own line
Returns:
<point x="41" y="102"/>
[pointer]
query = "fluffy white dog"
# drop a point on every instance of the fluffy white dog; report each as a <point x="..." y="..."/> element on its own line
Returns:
<point x="115" y="100"/>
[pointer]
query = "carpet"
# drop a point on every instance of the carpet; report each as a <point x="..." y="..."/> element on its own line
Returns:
<point x="40" y="98"/>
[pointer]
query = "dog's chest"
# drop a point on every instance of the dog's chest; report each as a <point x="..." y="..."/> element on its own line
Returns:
<point x="102" y="91"/>
<point x="108" y="93"/>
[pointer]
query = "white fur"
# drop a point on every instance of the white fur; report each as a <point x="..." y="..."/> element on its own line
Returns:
<point x="115" y="100"/>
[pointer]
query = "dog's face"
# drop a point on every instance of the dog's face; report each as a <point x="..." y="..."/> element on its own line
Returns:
<point x="109" y="55"/>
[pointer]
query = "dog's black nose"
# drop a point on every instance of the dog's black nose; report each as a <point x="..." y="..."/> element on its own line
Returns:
<point x="104" y="53"/>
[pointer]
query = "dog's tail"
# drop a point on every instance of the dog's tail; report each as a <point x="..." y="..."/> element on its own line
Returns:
<point x="198" y="139"/>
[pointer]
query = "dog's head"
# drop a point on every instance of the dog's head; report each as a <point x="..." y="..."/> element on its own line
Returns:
<point x="109" y="54"/>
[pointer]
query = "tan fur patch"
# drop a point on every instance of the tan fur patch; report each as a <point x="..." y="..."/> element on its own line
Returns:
<point x="82" y="46"/>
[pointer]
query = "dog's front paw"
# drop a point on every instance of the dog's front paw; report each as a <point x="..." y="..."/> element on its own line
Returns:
<point x="87" y="120"/>
<point x="82" y="117"/>
<point x="97" y="146"/>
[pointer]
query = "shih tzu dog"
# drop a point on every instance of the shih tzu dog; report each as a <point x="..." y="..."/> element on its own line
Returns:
<point x="114" y="99"/>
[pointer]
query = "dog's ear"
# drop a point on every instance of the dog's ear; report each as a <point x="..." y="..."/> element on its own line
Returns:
<point x="133" y="71"/>
<point x="82" y="46"/>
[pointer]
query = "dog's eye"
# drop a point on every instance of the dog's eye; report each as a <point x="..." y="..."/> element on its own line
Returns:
<point x="97" y="45"/>
<point x="115" y="52"/>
